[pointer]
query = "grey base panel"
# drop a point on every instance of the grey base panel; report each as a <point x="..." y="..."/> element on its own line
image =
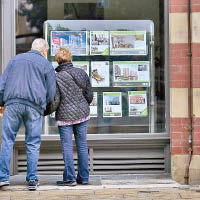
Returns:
<point x="105" y="157"/>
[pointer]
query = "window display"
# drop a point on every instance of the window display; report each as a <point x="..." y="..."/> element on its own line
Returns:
<point x="118" y="64"/>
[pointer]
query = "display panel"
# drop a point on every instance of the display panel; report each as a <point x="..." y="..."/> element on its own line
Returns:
<point x="119" y="66"/>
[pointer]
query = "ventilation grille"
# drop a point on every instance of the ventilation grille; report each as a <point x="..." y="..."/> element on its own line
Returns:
<point x="128" y="161"/>
<point x="102" y="161"/>
<point x="50" y="162"/>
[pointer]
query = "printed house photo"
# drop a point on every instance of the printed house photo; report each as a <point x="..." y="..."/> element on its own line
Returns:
<point x="99" y="42"/>
<point x="137" y="103"/>
<point x="125" y="73"/>
<point x="73" y="40"/>
<point x="99" y="38"/>
<point x="112" y="100"/>
<point x="139" y="99"/>
<point x="128" y="43"/>
<point x="100" y="74"/>
<point x="142" y="67"/>
<point x="108" y="109"/>
<point x="112" y="105"/>
<point x="122" y="41"/>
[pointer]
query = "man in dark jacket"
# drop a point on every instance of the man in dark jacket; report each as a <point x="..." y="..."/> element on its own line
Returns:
<point x="27" y="85"/>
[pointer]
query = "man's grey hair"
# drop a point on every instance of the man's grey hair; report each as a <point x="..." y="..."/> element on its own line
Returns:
<point x="40" y="44"/>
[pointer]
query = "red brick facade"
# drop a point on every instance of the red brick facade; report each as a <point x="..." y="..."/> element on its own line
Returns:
<point x="179" y="78"/>
<point x="178" y="5"/>
<point x="179" y="135"/>
<point x="179" y="65"/>
<point x="196" y="65"/>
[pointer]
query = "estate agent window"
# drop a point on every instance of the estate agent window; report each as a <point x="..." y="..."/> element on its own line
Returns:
<point x="119" y="43"/>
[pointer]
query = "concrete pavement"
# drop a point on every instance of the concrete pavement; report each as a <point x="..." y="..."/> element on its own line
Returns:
<point x="116" y="187"/>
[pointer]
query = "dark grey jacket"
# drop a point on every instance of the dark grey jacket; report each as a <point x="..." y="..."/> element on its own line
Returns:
<point x="73" y="94"/>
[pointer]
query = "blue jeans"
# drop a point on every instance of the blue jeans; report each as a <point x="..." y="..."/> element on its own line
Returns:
<point x="80" y="134"/>
<point x="13" y="115"/>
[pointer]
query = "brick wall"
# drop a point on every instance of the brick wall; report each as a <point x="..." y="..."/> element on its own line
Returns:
<point x="179" y="76"/>
<point x="178" y="6"/>
<point x="179" y="81"/>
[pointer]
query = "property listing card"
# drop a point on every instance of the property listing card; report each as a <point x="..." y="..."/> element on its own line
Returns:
<point x="75" y="41"/>
<point x="131" y="73"/>
<point x="93" y="106"/>
<point x="99" y="43"/>
<point x="100" y="74"/>
<point x="137" y="103"/>
<point x="112" y="104"/>
<point x="128" y="43"/>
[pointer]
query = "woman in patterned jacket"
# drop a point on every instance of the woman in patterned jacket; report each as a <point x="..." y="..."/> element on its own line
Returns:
<point x="71" y="103"/>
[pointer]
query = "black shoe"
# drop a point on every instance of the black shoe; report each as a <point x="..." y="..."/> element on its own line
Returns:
<point x="4" y="183"/>
<point x="66" y="183"/>
<point x="32" y="184"/>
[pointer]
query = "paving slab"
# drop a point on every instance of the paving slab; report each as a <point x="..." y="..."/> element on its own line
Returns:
<point x="113" y="187"/>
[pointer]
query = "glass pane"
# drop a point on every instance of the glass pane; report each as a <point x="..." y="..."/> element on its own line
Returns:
<point x="119" y="78"/>
<point x="32" y="14"/>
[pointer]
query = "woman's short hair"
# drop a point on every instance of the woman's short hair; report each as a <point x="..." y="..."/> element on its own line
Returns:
<point x="63" y="55"/>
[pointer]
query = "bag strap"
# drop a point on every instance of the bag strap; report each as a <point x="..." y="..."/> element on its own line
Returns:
<point x="74" y="80"/>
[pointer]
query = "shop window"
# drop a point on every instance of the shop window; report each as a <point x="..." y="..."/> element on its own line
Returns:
<point x="134" y="101"/>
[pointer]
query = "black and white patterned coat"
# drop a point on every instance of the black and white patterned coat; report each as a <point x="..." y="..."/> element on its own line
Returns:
<point x="73" y="94"/>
